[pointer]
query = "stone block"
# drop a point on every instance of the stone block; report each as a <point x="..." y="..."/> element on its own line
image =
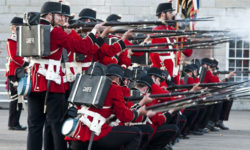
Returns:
<point x="232" y="3"/>
<point x="17" y="2"/>
<point x="4" y="9"/>
<point x="94" y="2"/>
<point x="139" y="11"/>
<point x="23" y="9"/>
<point x="6" y="18"/>
<point x="136" y="3"/>
<point x="36" y="3"/>
<point x="128" y="18"/>
<point x="119" y="10"/>
<point x="115" y="2"/>
<point x="207" y="3"/>
<point x="2" y="2"/>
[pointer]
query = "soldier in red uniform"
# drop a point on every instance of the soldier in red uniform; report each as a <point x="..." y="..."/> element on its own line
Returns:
<point x="225" y="105"/>
<point x="197" y="126"/>
<point x="15" y="63"/>
<point x="49" y="68"/>
<point x="164" y="133"/>
<point x="108" y="51"/>
<point x="127" y="136"/>
<point x="170" y="61"/>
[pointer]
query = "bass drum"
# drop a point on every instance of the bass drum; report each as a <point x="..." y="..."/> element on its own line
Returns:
<point x="69" y="127"/>
<point x="24" y="85"/>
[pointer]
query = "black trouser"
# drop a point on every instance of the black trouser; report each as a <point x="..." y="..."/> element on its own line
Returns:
<point x="147" y="133"/>
<point x="191" y="114"/>
<point x="15" y="108"/>
<point x="178" y="119"/>
<point x="217" y="112"/>
<point x="53" y="139"/>
<point x="128" y="137"/>
<point x="201" y="115"/>
<point x="164" y="134"/>
<point x="204" y="122"/>
<point x="226" y="108"/>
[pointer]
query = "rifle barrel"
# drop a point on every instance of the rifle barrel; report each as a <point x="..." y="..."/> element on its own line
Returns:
<point x="175" y="43"/>
<point x="133" y="23"/>
<point x="136" y="98"/>
<point x="227" y="72"/>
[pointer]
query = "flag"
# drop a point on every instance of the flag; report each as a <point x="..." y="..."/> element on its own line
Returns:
<point x="189" y="9"/>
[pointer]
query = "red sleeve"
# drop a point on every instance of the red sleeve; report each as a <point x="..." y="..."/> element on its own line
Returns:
<point x="158" y="90"/>
<point x="164" y="84"/>
<point x="107" y="60"/>
<point x="159" y="118"/>
<point x="197" y="80"/>
<point x="216" y="79"/>
<point x="122" y="112"/>
<point x="187" y="52"/>
<point x="72" y="42"/>
<point x="210" y="78"/>
<point x="155" y="59"/>
<point x="112" y="50"/>
<point x="126" y="42"/>
<point x="12" y="49"/>
<point x="124" y="59"/>
<point x="190" y="80"/>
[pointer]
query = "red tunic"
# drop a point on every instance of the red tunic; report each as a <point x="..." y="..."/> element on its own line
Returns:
<point x="59" y="40"/>
<point x="158" y="90"/>
<point x="196" y="80"/>
<point x="15" y="61"/>
<point x="114" y="104"/>
<point x="158" y="58"/>
<point x="210" y="78"/>
<point x="105" y="53"/>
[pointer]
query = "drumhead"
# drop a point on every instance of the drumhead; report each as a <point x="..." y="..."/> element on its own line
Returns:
<point x="67" y="126"/>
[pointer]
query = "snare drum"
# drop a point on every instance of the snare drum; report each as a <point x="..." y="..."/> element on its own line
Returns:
<point x="69" y="127"/>
<point x="24" y="85"/>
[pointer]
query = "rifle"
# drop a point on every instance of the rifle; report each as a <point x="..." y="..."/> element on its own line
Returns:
<point x="196" y="46"/>
<point x="187" y="101"/>
<point x="79" y="24"/>
<point x="189" y="86"/>
<point x="227" y="72"/>
<point x="175" y="43"/>
<point x="137" y="98"/>
<point x="160" y="36"/>
<point x="169" y="31"/>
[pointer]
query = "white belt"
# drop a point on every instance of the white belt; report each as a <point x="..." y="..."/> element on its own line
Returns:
<point x="139" y="123"/>
<point x="172" y="57"/>
<point x="69" y="75"/>
<point x="49" y="73"/>
<point x="166" y="57"/>
<point x="96" y="124"/>
<point x="79" y="66"/>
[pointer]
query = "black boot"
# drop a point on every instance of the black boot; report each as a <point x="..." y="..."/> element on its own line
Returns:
<point x="196" y="132"/>
<point x="221" y="125"/>
<point x="211" y="126"/>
